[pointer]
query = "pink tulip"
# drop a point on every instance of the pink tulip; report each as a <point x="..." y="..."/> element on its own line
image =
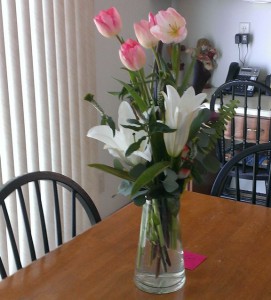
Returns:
<point x="170" y="26"/>
<point x="132" y="55"/>
<point x="143" y="34"/>
<point x="108" y="22"/>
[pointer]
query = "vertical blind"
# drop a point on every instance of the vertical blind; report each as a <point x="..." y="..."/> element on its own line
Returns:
<point x="46" y="68"/>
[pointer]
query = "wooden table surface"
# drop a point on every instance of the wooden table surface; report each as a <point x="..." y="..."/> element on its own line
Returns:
<point x="99" y="264"/>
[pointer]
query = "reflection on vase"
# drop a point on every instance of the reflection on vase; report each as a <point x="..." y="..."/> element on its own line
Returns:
<point x="159" y="263"/>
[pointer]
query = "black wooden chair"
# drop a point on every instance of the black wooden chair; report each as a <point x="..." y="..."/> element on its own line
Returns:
<point x="246" y="177"/>
<point x="252" y="122"/>
<point x="56" y="186"/>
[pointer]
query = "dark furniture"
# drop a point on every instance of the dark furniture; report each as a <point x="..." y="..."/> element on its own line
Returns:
<point x="252" y="122"/>
<point x="240" y="177"/>
<point x="49" y="187"/>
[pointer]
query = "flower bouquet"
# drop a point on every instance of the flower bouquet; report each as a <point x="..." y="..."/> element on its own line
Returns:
<point x="163" y="140"/>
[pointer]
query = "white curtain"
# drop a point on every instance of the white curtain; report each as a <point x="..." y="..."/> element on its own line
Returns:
<point x="46" y="68"/>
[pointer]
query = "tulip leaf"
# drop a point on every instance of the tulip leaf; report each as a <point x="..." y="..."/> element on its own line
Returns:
<point x="137" y="98"/>
<point x="147" y="176"/>
<point x="119" y="173"/>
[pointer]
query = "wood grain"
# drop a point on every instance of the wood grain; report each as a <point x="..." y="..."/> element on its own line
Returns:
<point x="99" y="264"/>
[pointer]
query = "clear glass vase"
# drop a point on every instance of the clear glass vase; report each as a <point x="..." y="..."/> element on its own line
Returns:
<point x="159" y="263"/>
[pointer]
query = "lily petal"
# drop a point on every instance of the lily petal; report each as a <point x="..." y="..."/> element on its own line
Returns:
<point x="180" y="113"/>
<point x="118" y="144"/>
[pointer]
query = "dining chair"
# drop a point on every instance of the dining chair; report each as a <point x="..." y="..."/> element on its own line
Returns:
<point x="39" y="188"/>
<point x="246" y="177"/>
<point x="252" y="122"/>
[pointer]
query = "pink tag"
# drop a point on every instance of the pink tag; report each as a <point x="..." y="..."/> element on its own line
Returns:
<point x="192" y="260"/>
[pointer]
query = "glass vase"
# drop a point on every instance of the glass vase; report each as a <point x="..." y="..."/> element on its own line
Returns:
<point x="159" y="262"/>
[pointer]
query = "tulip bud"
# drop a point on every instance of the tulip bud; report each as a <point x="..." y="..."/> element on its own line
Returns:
<point x="143" y="34"/>
<point x="132" y="55"/>
<point x="108" y="22"/>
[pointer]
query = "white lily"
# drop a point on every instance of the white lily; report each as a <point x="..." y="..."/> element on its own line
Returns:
<point x="180" y="113"/>
<point x="118" y="144"/>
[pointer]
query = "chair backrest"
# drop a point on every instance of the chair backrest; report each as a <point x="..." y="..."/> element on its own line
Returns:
<point x="57" y="191"/>
<point x="252" y="122"/>
<point x="246" y="176"/>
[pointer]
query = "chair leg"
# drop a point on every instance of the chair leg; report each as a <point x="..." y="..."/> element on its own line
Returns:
<point x="2" y="269"/>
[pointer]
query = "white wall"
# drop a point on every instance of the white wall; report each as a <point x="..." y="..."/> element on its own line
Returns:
<point x="108" y="66"/>
<point x="219" y="22"/>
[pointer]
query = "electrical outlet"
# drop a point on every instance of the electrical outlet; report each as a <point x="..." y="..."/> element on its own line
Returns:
<point x="244" y="27"/>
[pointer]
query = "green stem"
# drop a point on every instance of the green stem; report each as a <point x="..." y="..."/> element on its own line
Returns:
<point x="159" y="223"/>
<point x="157" y="59"/>
<point x="145" y="90"/>
<point x="175" y="59"/>
<point x="119" y="39"/>
<point x="174" y="232"/>
<point x="142" y="236"/>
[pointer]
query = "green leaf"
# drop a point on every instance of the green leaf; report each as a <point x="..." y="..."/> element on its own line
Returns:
<point x="119" y="173"/>
<point x="137" y="170"/>
<point x="134" y="128"/>
<point x="89" y="97"/>
<point x="117" y="164"/>
<point x="125" y="188"/>
<point x="147" y="176"/>
<point x="170" y="183"/>
<point x="160" y="127"/>
<point x="135" y="146"/>
<point x="111" y="124"/>
<point x="134" y="121"/>
<point x="140" y="198"/>
<point x="157" y="192"/>
<point x="103" y="120"/>
<point x="202" y="117"/>
<point x="203" y="141"/>
<point x="137" y="98"/>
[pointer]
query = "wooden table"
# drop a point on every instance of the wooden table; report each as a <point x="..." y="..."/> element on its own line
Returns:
<point x="99" y="264"/>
